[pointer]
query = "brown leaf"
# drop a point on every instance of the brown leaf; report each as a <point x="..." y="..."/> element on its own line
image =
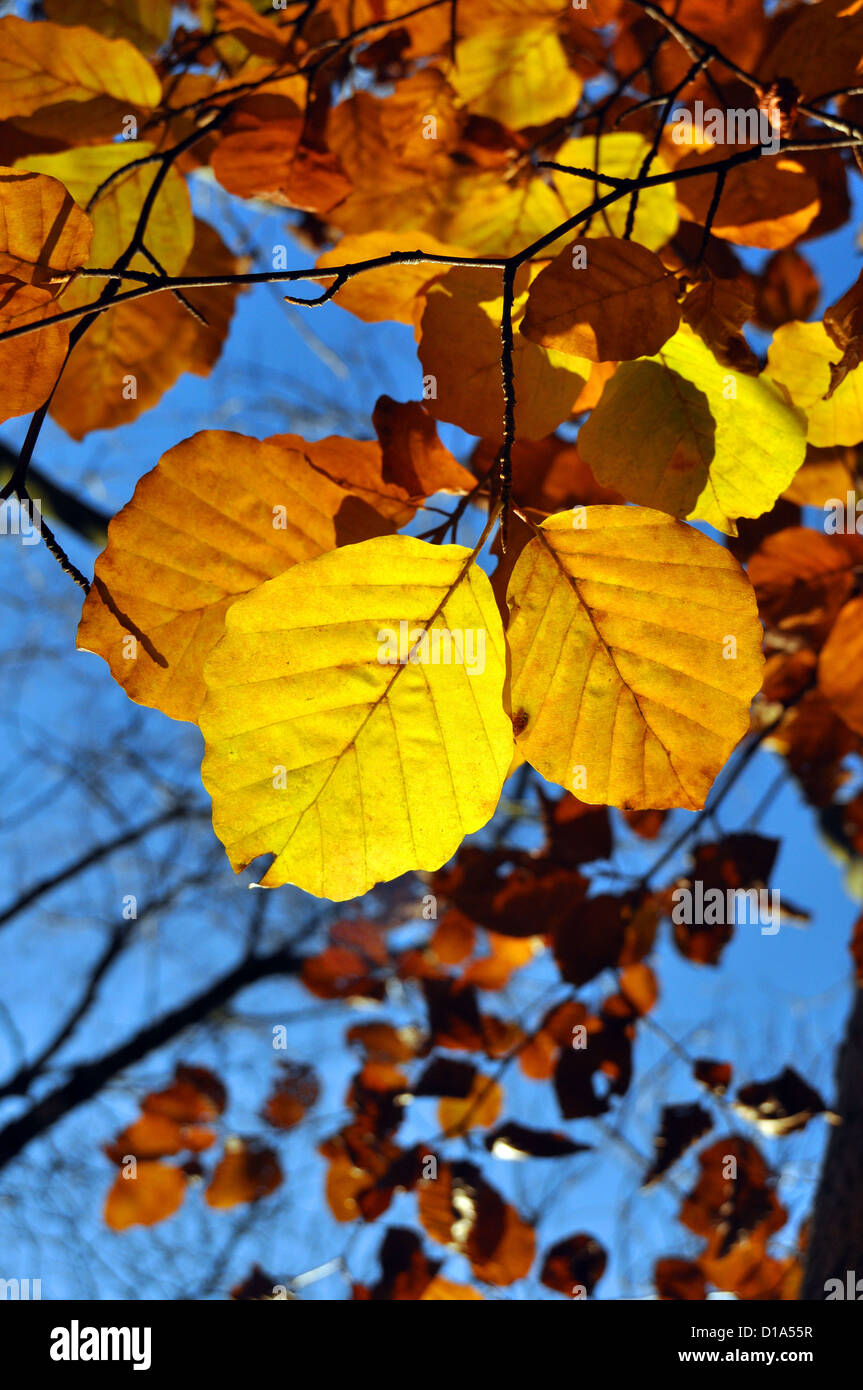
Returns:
<point x="786" y="289"/>
<point x="781" y="1105"/>
<point x="195" y="1095"/>
<point x="574" y="1266"/>
<point x="681" y="1127"/>
<point x="247" y="1172"/>
<point x="715" y="1076"/>
<point x="412" y="456"/>
<point x="679" y="1279"/>
<point x="514" y="1141"/>
<point x="295" y="1092"/>
<point x="620" y="304"/>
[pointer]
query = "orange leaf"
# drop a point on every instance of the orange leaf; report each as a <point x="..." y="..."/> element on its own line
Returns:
<point x="43" y="233"/>
<point x="246" y="1173"/>
<point x="618" y="303"/>
<point x="152" y="1195"/>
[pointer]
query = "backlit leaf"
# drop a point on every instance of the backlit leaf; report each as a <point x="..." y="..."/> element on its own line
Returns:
<point x="621" y="304"/>
<point x="464" y="307"/>
<point x="799" y="360"/>
<point x="246" y="511"/>
<point x="840" y="665"/>
<point x="516" y="73"/>
<point x="43" y="235"/>
<point x="680" y="433"/>
<point x="620" y="155"/>
<point x="618" y="638"/>
<point x="45" y="63"/>
<point x="384" y="767"/>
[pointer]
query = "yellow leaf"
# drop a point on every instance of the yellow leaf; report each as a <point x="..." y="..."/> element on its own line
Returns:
<point x="218" y="514"/>
<point x="490" y="215"/>
<point x="45" y="63"/>
<point x="636" y="649"/>
<point x="515" y="73"/>
<point x="620" y="156"/>
<point x="840" y="666"/>
<point x="799" y="360"/>
<point x="115" y="213"/>
<point x="460" y="348"/>
<point x="43" y="235"/>
<point x="619" y="302"/>
<point x="681" y="433"/>
<point x="347" y="769"/>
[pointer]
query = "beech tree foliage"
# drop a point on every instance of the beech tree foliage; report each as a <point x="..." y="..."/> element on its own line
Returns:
<point x="594" y="217"/>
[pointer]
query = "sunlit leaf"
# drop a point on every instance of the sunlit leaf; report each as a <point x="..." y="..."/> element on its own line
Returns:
<point x="622" y="680"/>
<point x="328" y="757"/>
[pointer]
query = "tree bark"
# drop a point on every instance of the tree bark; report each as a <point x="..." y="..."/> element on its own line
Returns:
<point x="836" y="1242"/>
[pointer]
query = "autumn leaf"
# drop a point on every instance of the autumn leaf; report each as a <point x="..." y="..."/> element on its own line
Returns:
<point x="145" y="23"/>
<point x="799" y="360"/>
<point x="621" y="303"/>
<point x="465" y="306"/>
<point x="131" y="356"/>
<point x="295" y="1092"/>
<point x="819" y="48"/>
<point x="478" y="1110"/>
<point x="153" y="1194"/>
<point x="768" y="202"/>
<point x="625" y="625"/>
<point x="412" y="455"/>
<point x="247" y="511"/>
<point x="574" y="1266"/>
<point x="29" y="365"/>
<point x="113" y="195"/>
<point x="679" y="433"/>
<point x="393" y="474"/>
<point x="195" y="1095"/>
<point x="782" y="1105"/>
<point x="516" y="73"/>
<point x="336" y="773"/>
<point x="43" y="234"/>
<point x="618" y="155"/>
<point x="246" y="1172"/>
<point x="681" y="1127"/>
<point x="515" y="1141"/>
<point x="840" y="665"/>
<point x="41" y="64"/>
<point x="461" y="1211"/>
